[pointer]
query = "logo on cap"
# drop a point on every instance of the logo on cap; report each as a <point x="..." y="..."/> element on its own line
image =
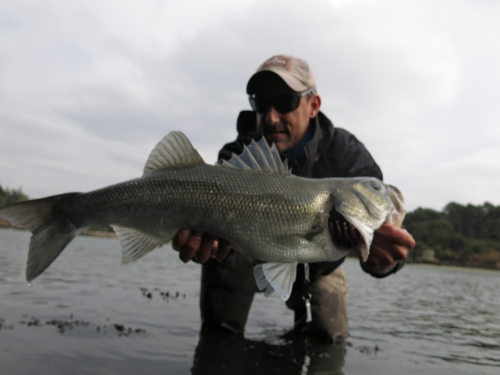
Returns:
<point x="285" y="62"/>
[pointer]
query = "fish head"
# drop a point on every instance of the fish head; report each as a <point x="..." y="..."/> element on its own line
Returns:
<point x="358" y="207"/>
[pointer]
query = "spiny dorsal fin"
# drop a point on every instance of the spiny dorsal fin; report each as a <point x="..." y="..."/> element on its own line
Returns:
<point x="236" y="162"/>
<point x="174" y="150"/>
<point x="259" y="156"/>
<point x="264" y="161"/>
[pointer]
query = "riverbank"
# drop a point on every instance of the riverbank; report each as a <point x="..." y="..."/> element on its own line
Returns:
<point x="7" y="225"/>
<point x="450" y="263"/>
<point x="489" y="264"/>
<point x="470" y="264"/>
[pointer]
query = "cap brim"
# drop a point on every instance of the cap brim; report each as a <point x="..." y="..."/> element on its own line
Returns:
<point x="291" y="82"/>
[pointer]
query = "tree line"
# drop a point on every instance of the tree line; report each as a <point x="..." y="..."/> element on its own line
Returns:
<point x="460" y="233"/>
<point x="8" y="196"/>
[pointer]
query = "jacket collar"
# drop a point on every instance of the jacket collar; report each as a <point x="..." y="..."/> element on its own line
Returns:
<point x="317" y="144"/>
<point x="302" y="162"/>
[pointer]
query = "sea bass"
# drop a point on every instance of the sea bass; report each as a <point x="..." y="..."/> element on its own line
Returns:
<point x="252" y="200"/>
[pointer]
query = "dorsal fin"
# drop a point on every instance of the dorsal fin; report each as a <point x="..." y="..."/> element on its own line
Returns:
<point x="259" y="156"/>
<point x="264" y="160"/>
<point x="174" y="150"/>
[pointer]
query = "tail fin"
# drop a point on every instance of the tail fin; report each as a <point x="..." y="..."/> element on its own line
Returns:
<point x="51" y="228"/>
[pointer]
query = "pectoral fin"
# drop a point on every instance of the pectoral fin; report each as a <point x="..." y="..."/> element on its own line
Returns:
<point x="277" y="276"/>
<point x="367" y="233"/>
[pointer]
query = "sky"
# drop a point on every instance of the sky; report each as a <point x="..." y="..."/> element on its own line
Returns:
<point x="88" y="88"/>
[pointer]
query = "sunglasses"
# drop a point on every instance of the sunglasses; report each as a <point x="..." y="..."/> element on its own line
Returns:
<point x="282" y="104"/>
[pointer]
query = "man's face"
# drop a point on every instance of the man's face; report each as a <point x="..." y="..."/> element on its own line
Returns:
<point x="285" y="130"/>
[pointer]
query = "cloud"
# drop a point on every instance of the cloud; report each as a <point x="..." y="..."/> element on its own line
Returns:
<point x="472" y="178"/>
<point x="88" y="88"/>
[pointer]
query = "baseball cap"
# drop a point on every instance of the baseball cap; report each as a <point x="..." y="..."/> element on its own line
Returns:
<point x="293" y="70"/>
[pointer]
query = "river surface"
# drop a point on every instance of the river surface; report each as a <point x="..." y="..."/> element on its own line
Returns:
<point x="89" y="314"/>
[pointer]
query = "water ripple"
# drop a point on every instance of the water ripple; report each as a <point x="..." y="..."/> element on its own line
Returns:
<point x="424" y="319"/>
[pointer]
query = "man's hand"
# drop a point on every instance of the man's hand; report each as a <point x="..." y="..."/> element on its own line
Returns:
<point x="391" y="244"/>
<point x="199" y="245"/>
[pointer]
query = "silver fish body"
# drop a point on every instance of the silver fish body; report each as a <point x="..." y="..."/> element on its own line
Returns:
<point x="263" y="215"/>
<point x="267" y="214"/>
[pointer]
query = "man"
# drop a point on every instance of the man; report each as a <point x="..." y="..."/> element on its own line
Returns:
<point x="286" y="111"/>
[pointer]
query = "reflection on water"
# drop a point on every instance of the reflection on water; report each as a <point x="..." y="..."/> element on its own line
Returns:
<point x="90" y="314"/>
<point x="222" y="354"/>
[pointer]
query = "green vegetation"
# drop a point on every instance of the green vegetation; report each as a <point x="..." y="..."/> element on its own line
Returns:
<point x="8" y="196"/>
<point x="467" y="235"/>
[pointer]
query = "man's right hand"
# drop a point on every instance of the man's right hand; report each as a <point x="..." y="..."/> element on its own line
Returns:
<point x="199" y="245"/>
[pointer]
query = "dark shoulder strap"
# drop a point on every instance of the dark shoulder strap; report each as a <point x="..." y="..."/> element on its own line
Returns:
<point x="246" y="125"/>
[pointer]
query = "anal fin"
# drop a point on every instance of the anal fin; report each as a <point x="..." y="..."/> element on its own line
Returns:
<point x="277" y="276"/>
<point x="136" y="244"/>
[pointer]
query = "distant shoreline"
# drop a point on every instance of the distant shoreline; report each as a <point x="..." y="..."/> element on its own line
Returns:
<point x="98" y="233"/>
<point x="495" y="266"/>
<point x="93" y="233"/>
<point x="471" y="264"/>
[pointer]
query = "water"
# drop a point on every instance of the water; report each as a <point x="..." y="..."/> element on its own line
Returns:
<point x="425" y="319"/>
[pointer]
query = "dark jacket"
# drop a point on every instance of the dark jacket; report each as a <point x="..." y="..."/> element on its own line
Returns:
<point x="331" y="152"/>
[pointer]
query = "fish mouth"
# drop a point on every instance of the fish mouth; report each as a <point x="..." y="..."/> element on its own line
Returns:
<point x="345" y="235"/>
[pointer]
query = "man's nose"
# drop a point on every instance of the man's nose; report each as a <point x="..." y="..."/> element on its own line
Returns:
<point x="273" y="116"/>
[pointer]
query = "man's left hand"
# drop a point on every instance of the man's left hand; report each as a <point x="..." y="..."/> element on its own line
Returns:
<point x="390" y="245"/>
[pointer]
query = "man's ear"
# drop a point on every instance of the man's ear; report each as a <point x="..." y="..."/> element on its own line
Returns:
<point x="315" y="105"/>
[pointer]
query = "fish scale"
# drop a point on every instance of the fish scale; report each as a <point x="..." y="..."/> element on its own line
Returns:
<point x="233" y="204"/>
<point x="270" y="216"/>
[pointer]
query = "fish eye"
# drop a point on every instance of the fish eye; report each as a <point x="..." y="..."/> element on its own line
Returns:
<point x="375" y="185"/>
